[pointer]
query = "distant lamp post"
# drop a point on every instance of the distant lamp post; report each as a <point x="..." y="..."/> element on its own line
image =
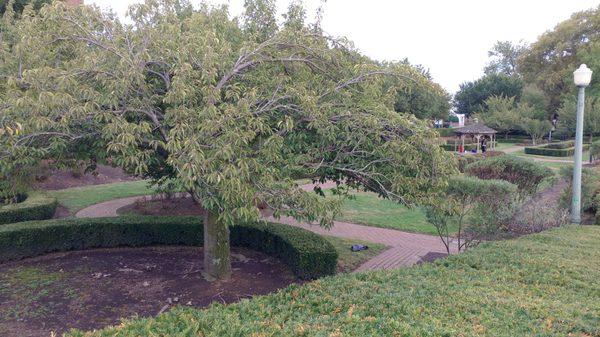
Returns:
<point x="582" y="78"/>
<point x="554" y="122"/>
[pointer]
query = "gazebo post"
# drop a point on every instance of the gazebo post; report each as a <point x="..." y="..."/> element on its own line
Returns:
<point x="462" y="137"/>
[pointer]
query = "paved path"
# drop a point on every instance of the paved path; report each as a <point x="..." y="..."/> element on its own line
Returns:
<point x="405" y="248"/>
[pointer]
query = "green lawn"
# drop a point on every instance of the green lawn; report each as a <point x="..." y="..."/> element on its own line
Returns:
<point x="349" y="260"/>
<point x="539" y="285"/>
<point x="78" y="198"/>
<point x="368" y="209"/>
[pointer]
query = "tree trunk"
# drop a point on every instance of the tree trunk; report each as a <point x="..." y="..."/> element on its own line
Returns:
<point x="217" y="259"/>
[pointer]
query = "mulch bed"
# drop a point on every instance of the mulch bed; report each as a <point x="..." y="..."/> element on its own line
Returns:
<point x="95" y="288"/>
<point x="175" y="206"/>
<point x="61" y="179"/>
<point x="431" y="256"/>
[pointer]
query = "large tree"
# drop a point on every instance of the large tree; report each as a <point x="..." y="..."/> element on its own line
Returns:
<point x="504" y="58"/>
<point x="550" y="61"/>
<point x="419" y="95"/>
<point x="472" y="95"/>
<point x="229" y="113"/>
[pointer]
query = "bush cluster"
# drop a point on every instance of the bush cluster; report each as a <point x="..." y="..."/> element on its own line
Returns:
<point x="465" y="160"/>
<point x="554" y="149"/>
<point x="307" y="254"/>
<point x="526" y="174"/>
<point x="34" y="207"/>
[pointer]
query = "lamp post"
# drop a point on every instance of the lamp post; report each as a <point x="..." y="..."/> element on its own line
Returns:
<point x="582" y="78"/>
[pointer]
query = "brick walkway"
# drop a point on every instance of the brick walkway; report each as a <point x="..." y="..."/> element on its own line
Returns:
<point x="405" y="249"/>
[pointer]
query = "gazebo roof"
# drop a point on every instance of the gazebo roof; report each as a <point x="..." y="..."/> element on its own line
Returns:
<point x="475" y="129"/>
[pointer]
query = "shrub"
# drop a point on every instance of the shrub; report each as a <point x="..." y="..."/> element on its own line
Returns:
<point x="590" y="188"/>
<point x="595" y="150"/>
<point x="34" y="207"/>
<point x="465" y="160"/>
<point x="526" y="174"/>
<point x="307" y="254"/>
<point x="480" y="209"/>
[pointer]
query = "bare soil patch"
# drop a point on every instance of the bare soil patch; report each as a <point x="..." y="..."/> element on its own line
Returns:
<point x="61" y="179"/>
<point x="95" y="288"/>
<point x="157" y="207"/>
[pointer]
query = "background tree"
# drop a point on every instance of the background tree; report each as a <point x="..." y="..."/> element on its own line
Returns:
<point x="551" y="60"/>
<point x="504" y="58"/>
<point x="533" y="122"/>
<point x="230" y="113"/>
<point x="472" y="95"/>
<point x="419" y="96"/>
<point x="19" y="5"/>
<point x="501" y="114"/>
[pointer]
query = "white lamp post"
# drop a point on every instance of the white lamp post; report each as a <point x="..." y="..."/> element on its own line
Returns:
<point x="582" y="78"/>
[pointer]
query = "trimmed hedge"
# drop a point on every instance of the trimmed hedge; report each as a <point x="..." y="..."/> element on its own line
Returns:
<point x="561" y="145"/>
<point x="555" y="151"/>
<point x="451" y="147"/>
<point x="526" y="174"/>
<point x="307" y="254"/>
<point x="35" y="207"/>
<point x="446" y="132"/>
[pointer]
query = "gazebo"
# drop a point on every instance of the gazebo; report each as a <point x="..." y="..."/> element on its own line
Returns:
<point x="476" y="131"/>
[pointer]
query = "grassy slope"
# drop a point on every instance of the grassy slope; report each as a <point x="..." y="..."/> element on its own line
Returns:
<point x="541" y="285"/>
<point x="368" y="209"/>
<point x="348" y="260"/>
<point x="80" y="197"/>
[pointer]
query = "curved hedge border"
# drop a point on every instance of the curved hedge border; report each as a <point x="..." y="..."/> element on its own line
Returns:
<point x="553" y="150"/>
<point x="307" y="254"/>
<point x="35" y="207"/>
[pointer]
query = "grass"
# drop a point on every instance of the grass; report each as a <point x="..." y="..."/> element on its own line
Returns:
<point x="370" y="210"/>
<point x="540" y="285"/>
<point x="78" y="198"/>
<point x="24" y="288"/>
<point x="349" y="260"/>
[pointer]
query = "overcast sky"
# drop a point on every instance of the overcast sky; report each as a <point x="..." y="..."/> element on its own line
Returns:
<point x="450" y="38"/>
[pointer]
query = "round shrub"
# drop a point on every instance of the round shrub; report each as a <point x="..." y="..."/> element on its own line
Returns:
<point x="307" y="254"/>
<point x="526" y="174"/>
<point x="34" y="207"/>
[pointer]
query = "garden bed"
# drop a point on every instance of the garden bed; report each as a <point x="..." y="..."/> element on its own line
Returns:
<point x="542" y="284"/>
<point x="307" y="254"/>
<point x="95" y="288"/>
<point x="62" y="178"/>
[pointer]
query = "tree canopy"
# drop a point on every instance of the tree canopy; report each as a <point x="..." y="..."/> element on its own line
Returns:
<point x="231" y="113"/>
<point x="471" y="96"/>
<point x="504" y="58"/>
<point x="550" y="61"/>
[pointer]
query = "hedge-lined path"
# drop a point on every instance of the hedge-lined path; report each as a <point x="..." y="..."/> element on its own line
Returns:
<point x="405" y="249"/>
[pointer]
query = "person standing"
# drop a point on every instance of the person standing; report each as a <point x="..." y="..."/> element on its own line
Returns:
<point x="484" y="145"/>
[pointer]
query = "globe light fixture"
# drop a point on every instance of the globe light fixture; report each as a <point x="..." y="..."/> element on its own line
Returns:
<point x="582" y="78"/>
